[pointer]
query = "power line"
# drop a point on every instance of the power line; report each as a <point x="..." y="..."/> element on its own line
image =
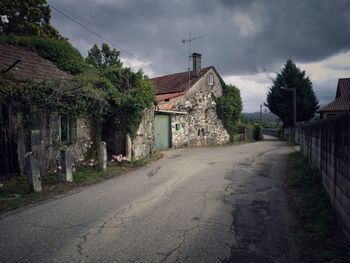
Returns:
<point x="105" y="39"/>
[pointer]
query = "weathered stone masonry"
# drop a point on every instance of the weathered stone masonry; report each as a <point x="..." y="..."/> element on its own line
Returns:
<point x="198" y="124"/>
<point x="46" y="142"/>
<point x="143" y="144"/>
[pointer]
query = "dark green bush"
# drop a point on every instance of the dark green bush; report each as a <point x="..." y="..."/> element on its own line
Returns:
<point x="229" y="108"/>
<point x="60" y="52"/>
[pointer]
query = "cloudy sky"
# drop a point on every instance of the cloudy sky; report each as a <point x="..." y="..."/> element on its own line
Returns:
<point x="246" y="41"/>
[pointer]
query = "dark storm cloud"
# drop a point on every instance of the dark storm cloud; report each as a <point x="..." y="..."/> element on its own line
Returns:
<point x="241" y="37"/>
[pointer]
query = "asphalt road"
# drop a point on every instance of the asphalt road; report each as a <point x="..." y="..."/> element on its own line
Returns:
<point x="218" y="204"/>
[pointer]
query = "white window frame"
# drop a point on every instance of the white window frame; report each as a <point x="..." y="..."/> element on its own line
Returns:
<point x="210" y="80"/>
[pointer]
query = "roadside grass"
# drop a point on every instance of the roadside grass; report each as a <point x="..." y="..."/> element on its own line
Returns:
<point x="14" y="193"/>
<point x="318" y="233"/>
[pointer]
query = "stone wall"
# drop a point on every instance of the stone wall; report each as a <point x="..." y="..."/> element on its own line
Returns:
<point x="198" y="120"/>
<point x="327" y="144"/>
<point x="45" y="142"/>
<point x="143" y="144"/>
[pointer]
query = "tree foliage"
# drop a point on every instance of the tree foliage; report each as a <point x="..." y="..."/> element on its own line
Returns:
<point x="128" y="93"/>
<point x="280" y="101"/>
<point x="229" y="107"/>
<point x="104" y="58"/>
<point x="27" y="18"/>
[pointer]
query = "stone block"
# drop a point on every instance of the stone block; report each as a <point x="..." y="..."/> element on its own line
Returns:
<point x="66" y="164"/>
<point x="102" y="156"/>
<point x="33" y="174"/>
<point x="128" y="147"/>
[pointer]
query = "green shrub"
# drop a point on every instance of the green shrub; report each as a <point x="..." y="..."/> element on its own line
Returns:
<point x="60" y="52"/>
<point x="229" y="108"/>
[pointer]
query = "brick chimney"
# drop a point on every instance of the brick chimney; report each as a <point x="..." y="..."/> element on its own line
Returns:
<point x="196" y="58"/>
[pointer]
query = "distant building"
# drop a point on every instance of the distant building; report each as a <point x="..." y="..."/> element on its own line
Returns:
<point x="186" y="111"/>
<point x="341" y="102"/>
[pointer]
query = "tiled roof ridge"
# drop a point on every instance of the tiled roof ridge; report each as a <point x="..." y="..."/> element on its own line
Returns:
<point x="182" y="72"/>
<point x="339" y="104"/>
<point x="31" y="65"/>
<point x="177" y="82"/>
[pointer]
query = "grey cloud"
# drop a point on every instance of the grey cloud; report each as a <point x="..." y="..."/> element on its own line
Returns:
<point x="326" y="90"/>
<point x="241" y="37"/>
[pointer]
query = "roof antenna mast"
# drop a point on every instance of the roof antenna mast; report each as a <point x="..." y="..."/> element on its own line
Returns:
<point x="189" y="41"/>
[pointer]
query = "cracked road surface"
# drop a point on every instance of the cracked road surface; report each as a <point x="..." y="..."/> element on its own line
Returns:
<point x="220" y="204"/>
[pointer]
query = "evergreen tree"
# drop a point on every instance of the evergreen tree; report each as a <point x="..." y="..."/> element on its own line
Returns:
<point x="280" y="101"/>
<point x="27" y="18"/>
<point x="94" y="57"/>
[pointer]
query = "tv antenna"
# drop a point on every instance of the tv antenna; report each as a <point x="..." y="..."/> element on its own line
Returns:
<point x="189" y="41"/>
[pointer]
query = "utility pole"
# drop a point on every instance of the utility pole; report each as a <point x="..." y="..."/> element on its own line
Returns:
<point x="189" y="41"/>
<point x="260" y="114"/>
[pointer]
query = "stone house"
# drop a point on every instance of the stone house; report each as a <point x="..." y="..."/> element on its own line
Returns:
<point x="186" y="111"/>
<point x="48" y="133"/>
<point x="342" y="100"/>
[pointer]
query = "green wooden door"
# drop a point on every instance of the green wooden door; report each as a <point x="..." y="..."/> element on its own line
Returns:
<point x="162" y="131"/>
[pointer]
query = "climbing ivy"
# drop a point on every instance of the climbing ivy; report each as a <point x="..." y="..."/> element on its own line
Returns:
<point x="229" y="108"/>
<point x="58" y="97"/>
<point x="114" y="95"/>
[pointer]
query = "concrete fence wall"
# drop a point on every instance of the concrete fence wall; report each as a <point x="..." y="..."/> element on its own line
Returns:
<point x="327" y="144"/>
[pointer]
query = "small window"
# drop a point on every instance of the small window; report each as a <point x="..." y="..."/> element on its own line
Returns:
<point x="210" y="80"/>
<point x="167" y="100"/>
<point x="67" y="129"/>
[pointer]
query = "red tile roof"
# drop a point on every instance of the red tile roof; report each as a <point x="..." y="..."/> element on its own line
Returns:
<point x="178" y="82"/>
<point x="340" y="104"/>
<point x="162" y="97"/>
<point x="342" y="99"/>
<point x="31" y="65"/>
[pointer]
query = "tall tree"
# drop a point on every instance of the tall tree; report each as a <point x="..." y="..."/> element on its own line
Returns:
<point x="30" y="17"/>
<point x="280" y="101"/>
<point x="104" y="58"/>
<point x="94" y="57"/>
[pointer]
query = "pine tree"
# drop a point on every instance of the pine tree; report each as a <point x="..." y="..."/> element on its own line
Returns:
<point x="94" y="57"/>
<point x="280" y="101"/>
